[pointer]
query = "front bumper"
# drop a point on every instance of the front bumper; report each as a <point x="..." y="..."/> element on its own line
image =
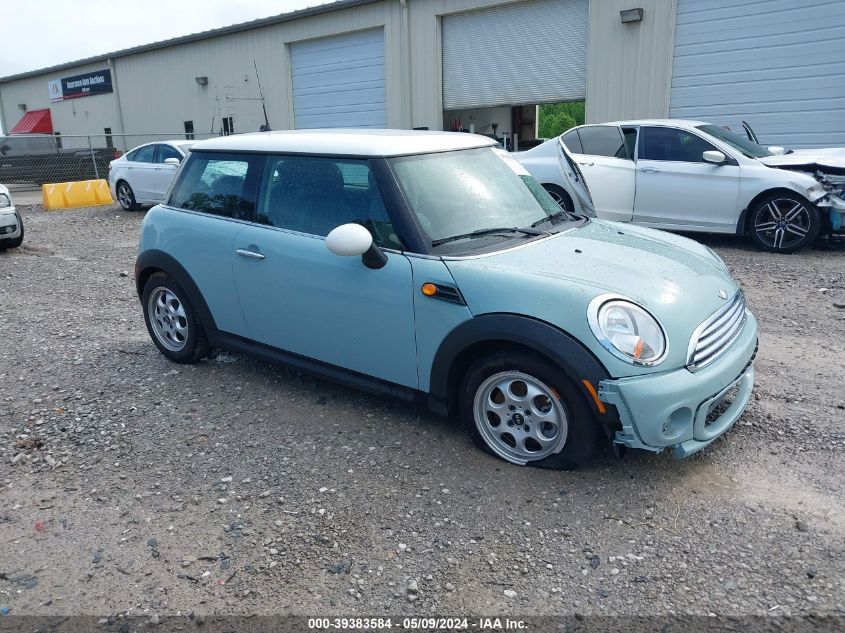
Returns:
<point x="682" y="410"/>
<point x="10" y="224"/>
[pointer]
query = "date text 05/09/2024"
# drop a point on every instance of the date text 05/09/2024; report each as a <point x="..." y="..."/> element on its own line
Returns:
<point x="418" y="624"/>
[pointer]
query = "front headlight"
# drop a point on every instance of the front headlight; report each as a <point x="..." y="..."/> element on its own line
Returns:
<point x="626" y="330"/>
<point x="4" y="201"/>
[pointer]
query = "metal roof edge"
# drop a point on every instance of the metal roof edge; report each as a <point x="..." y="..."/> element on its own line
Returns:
<point x="196" y="37"/>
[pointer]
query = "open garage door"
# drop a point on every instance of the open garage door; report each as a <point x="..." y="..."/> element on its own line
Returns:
<point x="524" y="53"/>
<point x="339" y="81"/>
<point x="778" y="65"/>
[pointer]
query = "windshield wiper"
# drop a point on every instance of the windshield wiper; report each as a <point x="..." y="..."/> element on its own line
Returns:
<point x="555" y="216"/>
<point x="509" y="229"/>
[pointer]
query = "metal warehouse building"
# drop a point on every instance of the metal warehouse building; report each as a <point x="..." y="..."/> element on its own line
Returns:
<point x="466" y="64"/>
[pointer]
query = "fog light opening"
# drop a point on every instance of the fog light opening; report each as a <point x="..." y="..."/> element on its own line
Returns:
<point x="678" y="423"/>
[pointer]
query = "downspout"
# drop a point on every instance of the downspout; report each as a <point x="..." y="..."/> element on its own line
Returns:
<point x="406" y="65"/>
<point x="119" y="107"/>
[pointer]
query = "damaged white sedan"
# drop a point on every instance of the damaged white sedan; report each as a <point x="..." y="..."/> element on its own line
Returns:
<point x="694" y="176"/>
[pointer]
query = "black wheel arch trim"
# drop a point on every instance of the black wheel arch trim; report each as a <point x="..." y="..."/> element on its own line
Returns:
<point x="154" y="260"/>
<point x="571" y="356"/>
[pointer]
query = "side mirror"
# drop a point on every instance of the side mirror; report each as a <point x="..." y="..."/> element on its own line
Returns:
<point x="712" y="156"/>
<point x="172" y="161"/>
<point x="350" y="240"/>
<point x="777" y="150"/>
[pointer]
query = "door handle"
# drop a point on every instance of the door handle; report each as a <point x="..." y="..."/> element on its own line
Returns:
<point x="251" y="254"/>
<point x="650" y="170"/>
<point x="587" y="164"/>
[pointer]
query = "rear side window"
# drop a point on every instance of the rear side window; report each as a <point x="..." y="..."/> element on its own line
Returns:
<point x="670" y="144"/>
<point x="602" y="140"/>
<point x="220" y="184"/>
<point x="572" y="142"/>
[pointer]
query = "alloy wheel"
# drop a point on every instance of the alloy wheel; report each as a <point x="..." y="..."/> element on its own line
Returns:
<point x="782" y="223"/>
<point x="519" y="417"/>
<point x="124" y="196"/>
<point x="168" y="319"/>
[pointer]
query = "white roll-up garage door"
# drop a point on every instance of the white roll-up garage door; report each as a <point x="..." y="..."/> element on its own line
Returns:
<point x="777" y="64"/>
<point x="523" y="53"/>
<point x="339" y="81"/>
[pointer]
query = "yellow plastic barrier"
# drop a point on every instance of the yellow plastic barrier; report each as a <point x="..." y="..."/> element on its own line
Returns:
<point x="71" y="195"/>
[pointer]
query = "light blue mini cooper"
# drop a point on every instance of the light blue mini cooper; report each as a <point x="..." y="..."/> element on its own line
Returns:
<point x="433" y="268"/>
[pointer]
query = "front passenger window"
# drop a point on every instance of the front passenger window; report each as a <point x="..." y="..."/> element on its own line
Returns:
<point x="315" y="195"/>
<point x="671" y="144"/>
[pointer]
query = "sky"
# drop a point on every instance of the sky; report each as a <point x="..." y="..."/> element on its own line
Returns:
<point x="40" y="33"/>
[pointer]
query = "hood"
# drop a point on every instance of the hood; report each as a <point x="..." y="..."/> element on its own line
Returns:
<point x="827" y="160"/>
<point x="676" y="279"/>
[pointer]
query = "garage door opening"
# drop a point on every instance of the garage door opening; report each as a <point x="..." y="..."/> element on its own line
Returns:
<point x="555" y="118"/>
<point x="517" y="128"/>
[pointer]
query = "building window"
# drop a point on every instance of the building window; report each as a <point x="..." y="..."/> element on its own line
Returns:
<point x="58" y="136"/>
<point x="189" y="130"/>
<point x="228" y="125"/>
<point x="109" y="140"/>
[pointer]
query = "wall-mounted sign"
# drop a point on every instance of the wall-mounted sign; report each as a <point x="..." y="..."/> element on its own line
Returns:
<point x="94" y="83"/>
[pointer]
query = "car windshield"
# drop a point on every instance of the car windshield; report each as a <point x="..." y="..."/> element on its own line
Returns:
<point x="740" y="143"/>
<point x="455" y="194"/>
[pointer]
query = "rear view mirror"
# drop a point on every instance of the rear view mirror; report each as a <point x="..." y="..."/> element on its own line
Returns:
<point x="172" y="161"/>
<point x="777" y="150"/>
<point x="712" y="156"/>
<point x="349" y="240"/>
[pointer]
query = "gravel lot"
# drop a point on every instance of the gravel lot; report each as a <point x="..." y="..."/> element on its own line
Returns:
<point x="134" y="485"/>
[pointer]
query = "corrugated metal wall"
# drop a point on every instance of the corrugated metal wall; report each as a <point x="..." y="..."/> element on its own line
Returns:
<point x="629" y="65"/>
<point x="533" y="52"/>
<point x="158" y="91"/>
<point x="628" y="70"/>
<point x="779" y="64"/>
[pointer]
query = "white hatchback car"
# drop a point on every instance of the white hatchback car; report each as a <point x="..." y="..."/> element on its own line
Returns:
<point x="694" y="176"/>
<point x="143" y="174"/>
<point x="11" y="225"/>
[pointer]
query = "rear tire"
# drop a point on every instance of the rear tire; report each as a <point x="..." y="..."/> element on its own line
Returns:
<point x="125" y="196"/>
<point x="171" y="320"/>
<point x="783" y="223"/>
<point x="522" y="408"/>
<point x="560" y="196"/>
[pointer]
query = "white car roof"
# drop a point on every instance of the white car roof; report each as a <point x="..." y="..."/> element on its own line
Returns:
<point x="345" y="142"/>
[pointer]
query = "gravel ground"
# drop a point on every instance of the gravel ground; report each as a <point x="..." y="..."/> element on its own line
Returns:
<point x="132" y="485"/>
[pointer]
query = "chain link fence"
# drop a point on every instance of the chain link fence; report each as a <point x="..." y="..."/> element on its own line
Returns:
<point x="28" y="161"/>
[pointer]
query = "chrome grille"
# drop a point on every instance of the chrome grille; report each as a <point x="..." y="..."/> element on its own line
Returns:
<point x="712" y="338"/>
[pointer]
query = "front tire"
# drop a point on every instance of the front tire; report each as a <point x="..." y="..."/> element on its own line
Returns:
<point x="15" y="243"/>
<point x="784" y="223"/>
<point x="522" y="408"/>
<point x="125" y="196"/>
<point x="171" y="320"/>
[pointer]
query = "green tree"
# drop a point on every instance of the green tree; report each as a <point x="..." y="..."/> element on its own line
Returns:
<point x="556" y="118"/>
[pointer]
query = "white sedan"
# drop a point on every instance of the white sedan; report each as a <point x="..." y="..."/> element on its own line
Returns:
<point x="143" y="174"/>
<point x="694" y="176"/>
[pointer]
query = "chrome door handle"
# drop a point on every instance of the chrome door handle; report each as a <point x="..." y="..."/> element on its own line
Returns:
<point x="650" y="170"/>
<point x="587" y="164"/>
<point x="251" y="254"/>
